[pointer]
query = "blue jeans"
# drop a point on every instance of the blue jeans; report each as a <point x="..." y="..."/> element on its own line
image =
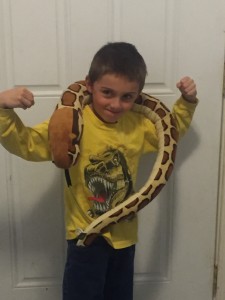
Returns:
<point x="98" y="272"/>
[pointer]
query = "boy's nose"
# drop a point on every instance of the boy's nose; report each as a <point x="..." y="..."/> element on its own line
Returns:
<point x="116" y="103"/>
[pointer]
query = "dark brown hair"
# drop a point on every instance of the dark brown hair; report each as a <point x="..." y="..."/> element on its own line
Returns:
<point x="119" y="58"/>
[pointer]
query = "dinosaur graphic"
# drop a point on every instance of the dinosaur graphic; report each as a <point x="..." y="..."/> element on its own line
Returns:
<point x="109" y="180"/>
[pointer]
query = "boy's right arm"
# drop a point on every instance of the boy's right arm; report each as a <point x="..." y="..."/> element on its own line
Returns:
<point x="16" y="98"/>
<point x="28" y="143"/>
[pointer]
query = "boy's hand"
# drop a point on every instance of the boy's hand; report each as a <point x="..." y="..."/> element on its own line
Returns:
<point x="19" y="97"/>
<point x="188" y="90"/>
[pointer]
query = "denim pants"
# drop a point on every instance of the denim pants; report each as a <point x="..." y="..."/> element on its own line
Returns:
<point x="98" y="272"/>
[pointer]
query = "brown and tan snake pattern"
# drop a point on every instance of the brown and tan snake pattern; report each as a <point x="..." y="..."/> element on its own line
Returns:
<point x="65" y="131"/>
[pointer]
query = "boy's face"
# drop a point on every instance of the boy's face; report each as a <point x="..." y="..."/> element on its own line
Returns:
<point x="112" y="96"/>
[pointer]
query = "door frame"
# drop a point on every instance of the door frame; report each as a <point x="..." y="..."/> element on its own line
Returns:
<point x="219" y="266"/>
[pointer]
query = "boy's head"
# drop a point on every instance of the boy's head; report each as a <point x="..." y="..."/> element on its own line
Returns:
<point x="118" y="58"/>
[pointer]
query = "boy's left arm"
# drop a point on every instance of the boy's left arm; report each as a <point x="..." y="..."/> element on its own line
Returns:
<point x="184" y="108"/>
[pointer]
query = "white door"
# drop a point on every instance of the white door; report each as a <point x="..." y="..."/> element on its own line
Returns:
<point x="46" y="45"/>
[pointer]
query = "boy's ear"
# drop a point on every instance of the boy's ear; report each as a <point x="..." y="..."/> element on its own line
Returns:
<point x="89" y="85"/>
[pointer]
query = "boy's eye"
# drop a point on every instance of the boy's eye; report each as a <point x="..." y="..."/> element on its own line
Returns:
<point x="107" y="93"/>
<point x="128" y="97"/>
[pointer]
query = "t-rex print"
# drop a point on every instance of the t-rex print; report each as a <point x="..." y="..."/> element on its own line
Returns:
<point x="109" y="180"/>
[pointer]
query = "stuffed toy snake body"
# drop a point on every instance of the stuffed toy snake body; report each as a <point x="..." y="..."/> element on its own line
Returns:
<point x="65" y="132"/>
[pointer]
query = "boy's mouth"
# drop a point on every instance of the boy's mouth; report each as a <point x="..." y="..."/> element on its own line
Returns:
<point x="114" y="112"/>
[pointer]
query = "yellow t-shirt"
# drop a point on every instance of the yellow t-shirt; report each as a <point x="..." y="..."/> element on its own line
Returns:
<point x="106" y="171"/>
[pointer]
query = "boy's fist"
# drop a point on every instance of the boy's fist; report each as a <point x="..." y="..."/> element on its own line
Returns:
<point x="188" y="90"/>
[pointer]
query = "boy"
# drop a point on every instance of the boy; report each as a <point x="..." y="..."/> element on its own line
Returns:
<point x="114" y="138"/>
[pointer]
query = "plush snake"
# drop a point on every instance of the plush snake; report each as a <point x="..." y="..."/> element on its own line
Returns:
<point x="65" y="131"/>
